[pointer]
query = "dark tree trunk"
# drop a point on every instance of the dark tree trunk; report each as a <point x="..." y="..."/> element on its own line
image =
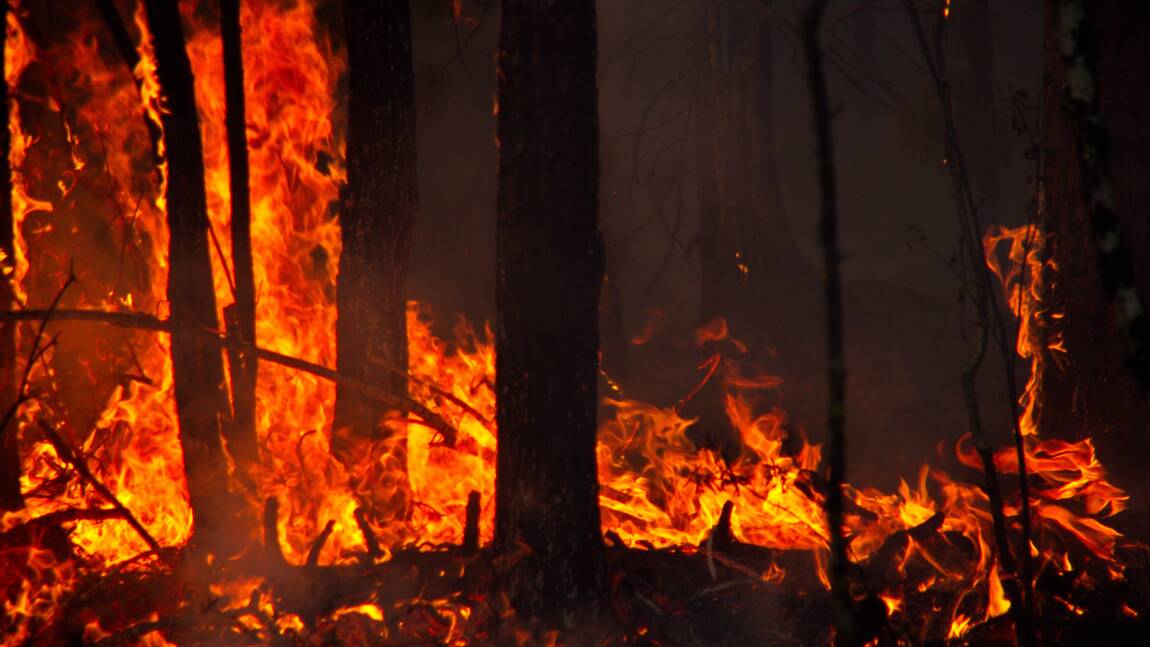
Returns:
<point x="197" y="363"/>
<point x="378" y="211"/>
<point x="1096" y="395"/>
<point x="10" y="497"/>
<point x="549" y="262"/>
<point x="241" y="315"/>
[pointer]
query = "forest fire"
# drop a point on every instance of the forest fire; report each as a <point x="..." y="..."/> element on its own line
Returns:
<point x="390" y="537"/>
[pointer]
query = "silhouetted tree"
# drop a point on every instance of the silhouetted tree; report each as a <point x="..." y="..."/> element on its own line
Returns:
<point x="1098" y="249"/>
<point x="243" y="369"/>
<point x="377" y="210"/>
<point x="549" y="270"/>
<point x="197" y="363"/>
<point x="10" y="497"/>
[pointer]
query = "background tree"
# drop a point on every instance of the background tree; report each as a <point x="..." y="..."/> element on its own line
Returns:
<point x="549" y="270"/>
<point x="1095" y="394"/>
<point x="197" y="363"/>
<point x="377" y="210"/>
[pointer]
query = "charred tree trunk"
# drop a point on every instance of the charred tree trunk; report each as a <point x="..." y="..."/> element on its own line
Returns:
<point x="549" y="261"/>
<point x="197" y="363"/>
<point x="1097" y="395"/>
<point x="241" y="315"/>
<point x="10" y="497"/>
<point x="377" y="212"/>
<point x="243" y="368"/>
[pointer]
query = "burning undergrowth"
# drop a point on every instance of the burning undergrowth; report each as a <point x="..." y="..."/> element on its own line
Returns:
<point x="388" y="548"/>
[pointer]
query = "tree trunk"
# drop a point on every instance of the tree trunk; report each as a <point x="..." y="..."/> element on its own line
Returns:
<point x="242" y="315"/>
<point x="197" y="363"/>
<point x="377" y="212"/>
<point x="1096" y="395"/>
<point x="549" y="263"/>
<point x="10" y="497"/>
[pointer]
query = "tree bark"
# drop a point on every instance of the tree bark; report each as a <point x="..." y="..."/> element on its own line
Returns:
<point x="549" y="263"/>
<point x="197" y="364"/>
<point x="377" y="212"/>
<point x="242" y="368"/>
<point x="1096" y="395"/>
<point x="10" y="496"/>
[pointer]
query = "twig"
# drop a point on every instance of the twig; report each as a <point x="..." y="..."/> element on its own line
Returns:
<point x="65" y="452"/>
<point x="989" y="314"/>
<point x="828" y="228"/>
<point x="23" y="395"/>
<point x="142" y="321"/>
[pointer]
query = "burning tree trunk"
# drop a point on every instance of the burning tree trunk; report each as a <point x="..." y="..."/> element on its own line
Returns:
<point x="1098" y="395"/>
<point x="241" y="315"/>
<point x="196" y="362"/>
<point x="377" y="211"/>
<point x="10" y="497"/>
<point x="549" y="272"/>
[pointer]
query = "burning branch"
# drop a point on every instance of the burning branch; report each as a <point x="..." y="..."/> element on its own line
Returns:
<point x="15" y="500"/>
<point x="142" y="321"/>
<point x="828" y="227"/>
<point x="65" y="451"/>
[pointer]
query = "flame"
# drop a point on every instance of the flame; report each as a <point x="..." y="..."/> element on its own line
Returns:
<point x="657" y="488"/>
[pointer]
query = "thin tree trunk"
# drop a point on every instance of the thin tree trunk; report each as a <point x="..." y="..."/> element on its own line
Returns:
<point x="549" y="262"/>
<point x="377" y="212"/>
<point x="10" y="497"/>
<point x="841" y="600"/>
<point x="1097" y="396"/>
<point x="242" y="315"/>
<point x="197" y="363"/>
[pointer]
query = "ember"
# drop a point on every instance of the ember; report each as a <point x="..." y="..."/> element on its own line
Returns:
<point x="135" y="518"/>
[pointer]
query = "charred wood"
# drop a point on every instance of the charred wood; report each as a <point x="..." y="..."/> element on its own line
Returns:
<point x="242" y="323"/>
<point x="197" y="364"/>
<point x="10" y="497"/>
<point x="842" y="602"/>
<point x="549" y="273"/>
<point x="377" y="211"/>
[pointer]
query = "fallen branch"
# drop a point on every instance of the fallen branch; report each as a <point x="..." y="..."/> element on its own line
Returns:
<point x="65" y="452"/>
<point x="142" y="321"/>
